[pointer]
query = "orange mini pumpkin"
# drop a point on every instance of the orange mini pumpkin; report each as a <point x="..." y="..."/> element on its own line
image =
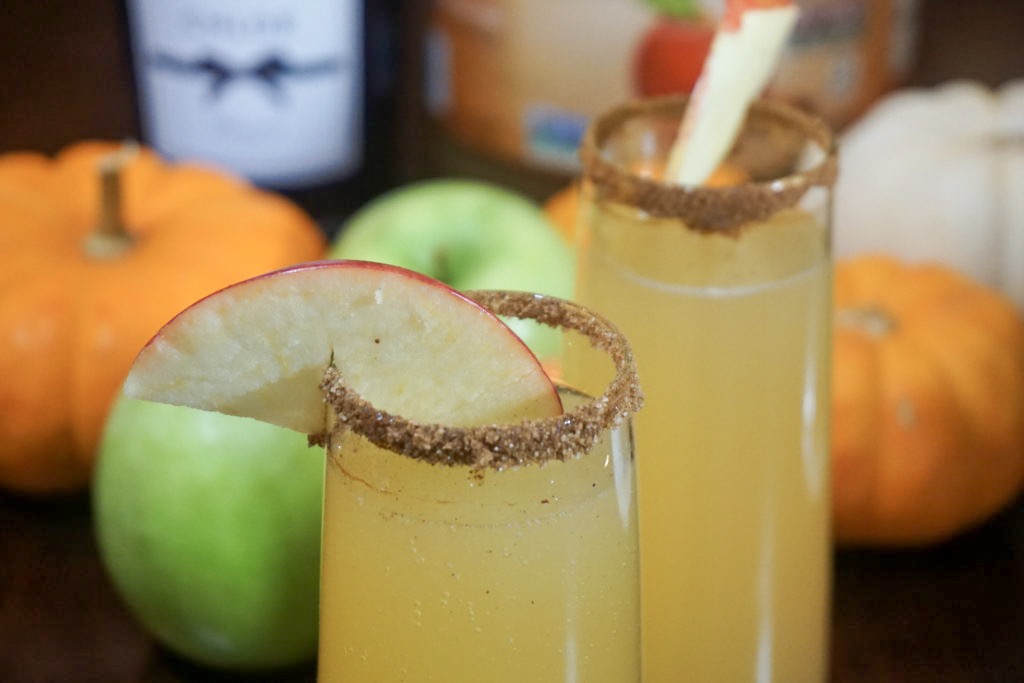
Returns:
<point x="81" y="289"/>
<point x="928" y="402"/>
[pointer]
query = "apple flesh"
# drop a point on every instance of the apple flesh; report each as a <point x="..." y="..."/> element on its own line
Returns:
<point x="470" y="235"/>
<point x="408" y="344"/>
<point x="209" y="528"/>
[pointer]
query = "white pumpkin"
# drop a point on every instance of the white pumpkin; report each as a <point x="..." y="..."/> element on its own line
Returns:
<point x="937" y="174"/>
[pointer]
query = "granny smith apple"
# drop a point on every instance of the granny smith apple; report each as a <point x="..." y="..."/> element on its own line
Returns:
<point x="209" y="528"/>
<point x="470" y="235"/>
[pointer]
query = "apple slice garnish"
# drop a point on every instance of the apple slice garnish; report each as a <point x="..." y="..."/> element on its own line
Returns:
<point x="408" y="344"/>
<point x="743" y="55"/>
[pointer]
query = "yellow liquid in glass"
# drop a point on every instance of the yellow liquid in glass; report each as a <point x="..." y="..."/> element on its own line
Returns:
<point x="731" y="339"/>
<point x="529" y="574"/>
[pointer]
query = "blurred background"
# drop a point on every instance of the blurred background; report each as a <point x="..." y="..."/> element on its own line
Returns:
<point x="66" y="73"/>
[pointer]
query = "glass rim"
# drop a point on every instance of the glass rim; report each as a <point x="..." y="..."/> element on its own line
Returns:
<point x="499" y="446"/>
<point x="724" y="208"/>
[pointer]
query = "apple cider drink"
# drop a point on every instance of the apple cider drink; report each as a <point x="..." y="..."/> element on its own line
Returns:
<point x="484" y="554"/>
<point x="724" y="294"/>
<point x="480" y="524"/>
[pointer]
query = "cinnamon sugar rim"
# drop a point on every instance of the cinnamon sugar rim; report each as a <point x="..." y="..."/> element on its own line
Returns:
<point x="700" y="207"/>
<point x="498" y="446"/>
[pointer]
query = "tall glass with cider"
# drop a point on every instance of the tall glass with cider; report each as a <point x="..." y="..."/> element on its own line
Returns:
<point x="724" y="293"/>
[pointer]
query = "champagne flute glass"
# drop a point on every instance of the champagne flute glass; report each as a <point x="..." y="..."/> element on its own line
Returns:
<point x="724" y="293"/>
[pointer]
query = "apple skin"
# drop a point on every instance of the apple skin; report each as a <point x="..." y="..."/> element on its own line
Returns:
<point x="209" y="528"/>
<point x="468" y="234"/>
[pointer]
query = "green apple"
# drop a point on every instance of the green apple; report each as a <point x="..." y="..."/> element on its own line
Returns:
<point x="470" y="235"/>
<point x="209" y="528"/>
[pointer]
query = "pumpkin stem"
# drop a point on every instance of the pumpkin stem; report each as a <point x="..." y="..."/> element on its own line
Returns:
<point x="110" y="238"/>
<point x="871" y="320"/>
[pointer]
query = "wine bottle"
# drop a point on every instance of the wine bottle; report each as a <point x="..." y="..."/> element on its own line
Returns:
<point x="273" y="90"/>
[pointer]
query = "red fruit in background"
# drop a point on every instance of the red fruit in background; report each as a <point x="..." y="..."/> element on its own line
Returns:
<point x="670" y="57"/>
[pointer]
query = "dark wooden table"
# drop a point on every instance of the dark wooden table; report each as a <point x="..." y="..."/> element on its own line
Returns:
<point x="953" y="613"/>
<point x="949" y="614"/>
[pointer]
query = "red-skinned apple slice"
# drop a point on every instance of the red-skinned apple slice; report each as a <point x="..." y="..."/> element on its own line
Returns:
<point x="408" y="344"/>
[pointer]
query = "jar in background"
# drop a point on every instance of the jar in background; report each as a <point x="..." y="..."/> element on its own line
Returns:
<point x="507" y="87"/>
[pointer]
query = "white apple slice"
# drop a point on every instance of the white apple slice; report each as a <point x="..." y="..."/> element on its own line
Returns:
<point x="409" y="344"/>
<point x="469" y="234"/>
<point x="743" y="55"/>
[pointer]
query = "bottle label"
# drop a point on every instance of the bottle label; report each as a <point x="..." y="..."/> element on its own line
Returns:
<point x="269" y="89"/>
